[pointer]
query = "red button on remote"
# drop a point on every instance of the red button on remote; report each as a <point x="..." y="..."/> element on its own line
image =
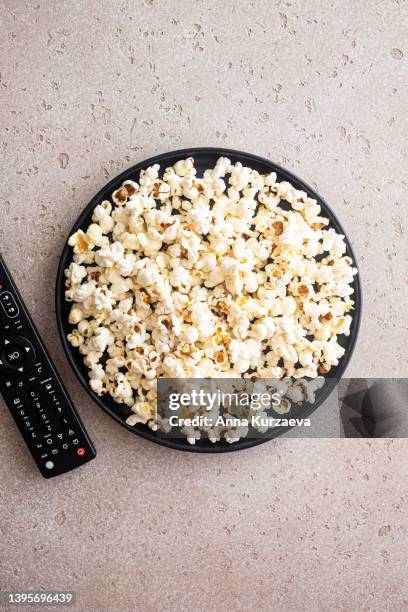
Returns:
<point x="81" y="452"/>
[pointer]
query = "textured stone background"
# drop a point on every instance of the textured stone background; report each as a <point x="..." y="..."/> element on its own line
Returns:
<point x="88" y="88"/>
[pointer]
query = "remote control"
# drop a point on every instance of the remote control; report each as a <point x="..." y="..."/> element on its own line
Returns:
<point x="33" y="390"/>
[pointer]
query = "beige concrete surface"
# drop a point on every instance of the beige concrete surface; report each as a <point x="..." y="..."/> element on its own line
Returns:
<point x="88" y="88"/>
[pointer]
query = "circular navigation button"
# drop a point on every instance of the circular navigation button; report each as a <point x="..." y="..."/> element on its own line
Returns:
<point x="16" y="354"/>
<point x="49" y="465"/>
<point x="13" y="355"/>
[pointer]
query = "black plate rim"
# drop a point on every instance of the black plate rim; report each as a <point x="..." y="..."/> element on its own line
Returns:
<point x="171" y="157"/>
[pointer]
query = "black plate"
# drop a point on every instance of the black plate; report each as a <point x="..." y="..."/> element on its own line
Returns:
<point x="204" y="158"/>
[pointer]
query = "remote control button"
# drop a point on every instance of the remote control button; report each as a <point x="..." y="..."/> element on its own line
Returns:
<point x="16" y="354"/>
<point x="49" y="465"/>
<point x="10" y="384"/>
<point x="9" y="305"/>
<point x="13" y="355"/>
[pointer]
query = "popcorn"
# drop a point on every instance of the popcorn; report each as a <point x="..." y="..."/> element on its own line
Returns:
<point x="83" y="292"/>
<point x="148" y="244"/>
<point x="75" y="316"/>
<point x="85" y="328"/>
<point x="109" y="255"/>
<point x="143" y="412"/>
<point x="288" y="305"/>
<point x="102" y="299"/>
<point x="184" y="167"/>
<point x="95" y="235"/>
<point x="75" y="338"/>
<point x="118" y="284"/>
<point x="87" y="257"/>
<point x="189" y="334"/>
<point x="121" y="391"/>
<point x="127" y="265"/>
<point x="180" y="276"/>
<point x="239" y="176"/>
<point x="173" y="367"/>
<point x="91" y="358"/>
<point x="75" y="274"/>
<point x="101" y="339"/>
